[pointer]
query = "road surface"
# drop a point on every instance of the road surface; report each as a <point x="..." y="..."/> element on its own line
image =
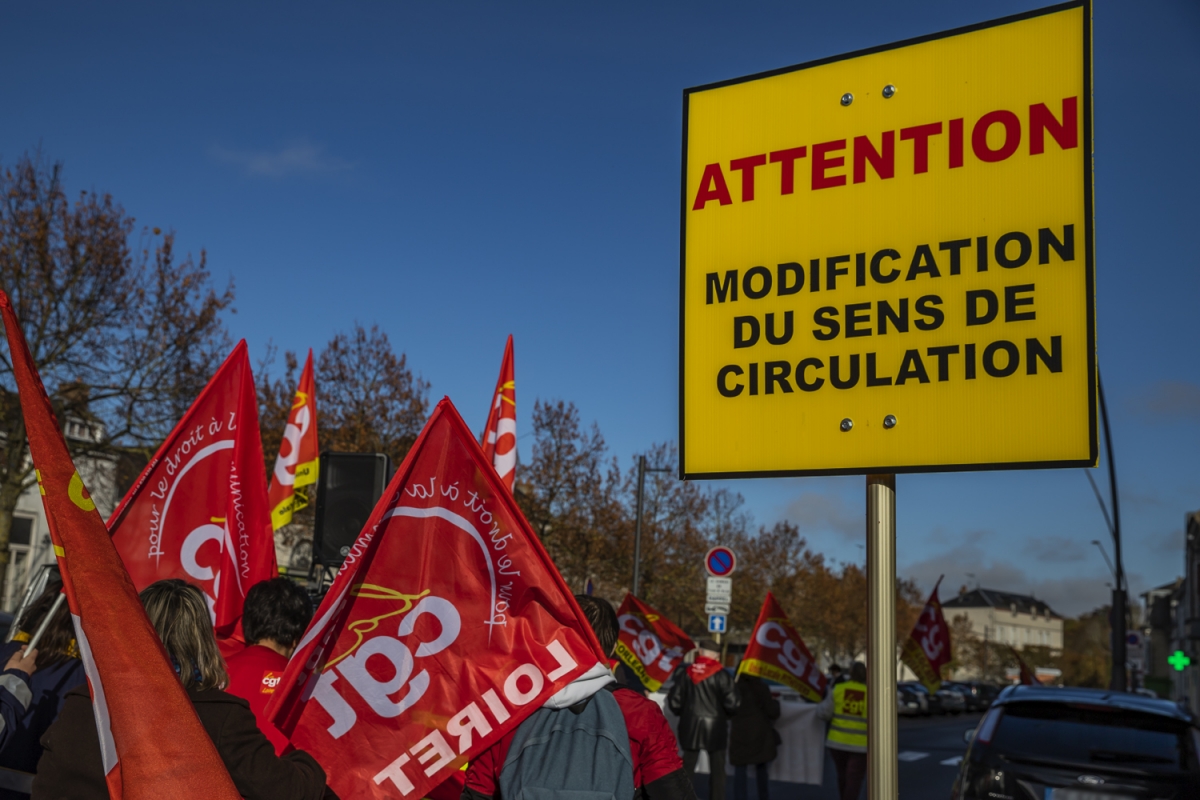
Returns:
<point x="930" y="751"/>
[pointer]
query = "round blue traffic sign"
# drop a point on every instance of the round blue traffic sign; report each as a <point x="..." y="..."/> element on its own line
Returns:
<point x="720" y="562"/>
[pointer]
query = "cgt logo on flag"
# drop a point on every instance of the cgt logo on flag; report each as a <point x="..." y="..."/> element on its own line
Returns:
<point x="297" y="463"/>
<point x="777" y="652"/>
<point x="198" y="511"/>
<point x="649" y="644"/>
<point x="446" y="627"/>
<point x="499" y="440"/>
<point x="927" y="648"/>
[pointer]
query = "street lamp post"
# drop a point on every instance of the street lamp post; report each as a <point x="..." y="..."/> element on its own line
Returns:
<point x="637" y="533"/>
<point x="1118" y="595"/>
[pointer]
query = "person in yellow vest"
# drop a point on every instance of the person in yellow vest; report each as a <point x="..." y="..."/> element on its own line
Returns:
<point x="846" y="709"/>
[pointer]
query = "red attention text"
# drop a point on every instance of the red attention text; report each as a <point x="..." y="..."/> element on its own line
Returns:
<point x="826" y="161"/>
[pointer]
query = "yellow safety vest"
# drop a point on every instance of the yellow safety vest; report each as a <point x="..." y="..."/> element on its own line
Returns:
<point x="848" y="731"/>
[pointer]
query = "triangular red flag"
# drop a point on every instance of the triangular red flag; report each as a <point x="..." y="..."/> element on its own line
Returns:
<point x="447" y="625"/>
<point x="649" y="643"/>
<point x="199" y="509"/>
<point x="297" y="462"/>
<point x="499" y="438"/>
<point x="136" y="694"/>
<point x="927" y="648"/>
<point x="777" y="652"/>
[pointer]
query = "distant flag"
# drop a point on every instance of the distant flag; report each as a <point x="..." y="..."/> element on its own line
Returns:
<point x="135" y="692"/>
<point x="499" y="440"/>
<point x="776" y="652"/>
<point x="296" y="464"/>
<point x="1027" y="676"/>
<point x="198" y="511"/>
<point x="927" y="648"/>
<point x="588" y="588"/>
<point x="649" y="643"/>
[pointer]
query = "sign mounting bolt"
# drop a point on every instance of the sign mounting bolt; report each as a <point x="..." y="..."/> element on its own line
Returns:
<point x="847" y="99"/>
<point x="847" y="424"/>
<point x="888" y="91"/>
<point x="889" y="421"/>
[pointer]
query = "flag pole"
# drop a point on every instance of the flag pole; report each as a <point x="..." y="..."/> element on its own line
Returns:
<point x="882" y="771"/>
<point x="37" y="636"/>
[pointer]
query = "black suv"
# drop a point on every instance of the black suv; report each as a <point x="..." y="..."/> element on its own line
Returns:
<point x="1049" y="743"/>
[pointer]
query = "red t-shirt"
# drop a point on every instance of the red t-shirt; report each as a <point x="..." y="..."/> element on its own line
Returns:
<point x="253" y="675"/>
<point x="651" y="743"/>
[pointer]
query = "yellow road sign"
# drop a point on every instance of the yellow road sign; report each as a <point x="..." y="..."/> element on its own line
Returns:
<point x="887" y="258"/>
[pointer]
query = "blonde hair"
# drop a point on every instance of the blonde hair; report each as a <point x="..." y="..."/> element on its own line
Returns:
<point x="180" y="616"/>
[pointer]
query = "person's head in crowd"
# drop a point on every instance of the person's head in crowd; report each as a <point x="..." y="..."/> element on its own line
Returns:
<point x="709" y="648"/>
<point x="835" y="670"/>
<point x="602" y="618"/>
<point x="276" y="614"/>
<point x="858" y="672"/>
<point x="58" y="642"/>
<point x="180" y="616"/>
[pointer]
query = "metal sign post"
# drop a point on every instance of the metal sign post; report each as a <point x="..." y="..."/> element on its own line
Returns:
<point x="882" y="775"/>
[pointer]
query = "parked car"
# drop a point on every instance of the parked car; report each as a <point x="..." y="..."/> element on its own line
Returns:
<point x="933" y="703"/>
<point x="920" y="698"/>
<point x="907" y="704"/>
<point x="953" y="701"/>
<point x="1066" y="742"/>
<point x="987" y="692"/>
<point x="972" y="694"/>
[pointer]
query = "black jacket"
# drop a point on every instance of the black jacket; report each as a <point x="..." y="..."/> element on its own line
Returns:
<point x="753" y="735"/>
<point x="703" y="709"/>
<point x="70" y="768"/>
<point x="48" y="687"/>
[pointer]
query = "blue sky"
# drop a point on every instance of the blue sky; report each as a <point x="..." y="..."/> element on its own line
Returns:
<point x="459" y="171"/>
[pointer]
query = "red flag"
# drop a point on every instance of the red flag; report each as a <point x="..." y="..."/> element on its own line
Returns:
<point x="927" y="648"/>
<point x="296" y="464"/>
<point x="777" y="652"/>
<point x="649" y="643"/>
<point x="447" y="625"/>
<point x="499" y="438"/>
<point x="135" y="692"/>
<point x="199" y="509"/>
<point x="1027" y="676"/>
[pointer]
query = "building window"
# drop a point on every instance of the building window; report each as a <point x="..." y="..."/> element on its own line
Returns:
<point x="21" y="531"/>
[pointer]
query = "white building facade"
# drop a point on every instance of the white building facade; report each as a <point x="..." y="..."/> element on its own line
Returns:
<point x="29" y="540"/>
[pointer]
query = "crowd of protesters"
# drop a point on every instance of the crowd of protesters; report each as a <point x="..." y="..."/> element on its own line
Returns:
<point x="48" y="724"/>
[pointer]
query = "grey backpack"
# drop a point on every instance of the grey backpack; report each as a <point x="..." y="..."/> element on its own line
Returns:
<point x="576" y="753"/>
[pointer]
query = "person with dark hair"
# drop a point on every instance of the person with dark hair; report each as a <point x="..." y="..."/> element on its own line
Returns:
<point x="657" y="769"/>
<point x="704" y="696"/>
<point x="846" y="709"/>
<point x="274" y="617"/>
<point x="34" y="684"/>
<point x="71" y="766"/>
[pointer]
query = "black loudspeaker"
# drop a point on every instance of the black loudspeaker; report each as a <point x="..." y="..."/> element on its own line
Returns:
<point x="348" y="487"/>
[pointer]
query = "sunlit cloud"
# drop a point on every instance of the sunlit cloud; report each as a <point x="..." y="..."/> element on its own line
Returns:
<point x="300" y="158"/>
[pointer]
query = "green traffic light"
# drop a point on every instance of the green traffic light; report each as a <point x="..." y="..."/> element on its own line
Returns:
<point x="1179" y="660"/>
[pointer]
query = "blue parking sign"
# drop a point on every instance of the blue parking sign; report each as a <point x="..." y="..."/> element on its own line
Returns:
<point x="716" y="623"/>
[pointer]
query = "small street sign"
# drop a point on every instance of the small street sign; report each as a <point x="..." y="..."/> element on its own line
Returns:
<point x="717" y="608"/>
<point x="718" y="597"/>
<point x="720" y="584"/>
<point x="720" y="562"/>
<point x="716" y="623"/>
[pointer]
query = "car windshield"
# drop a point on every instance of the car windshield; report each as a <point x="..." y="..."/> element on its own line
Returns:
<point x="1095" y="735"/>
